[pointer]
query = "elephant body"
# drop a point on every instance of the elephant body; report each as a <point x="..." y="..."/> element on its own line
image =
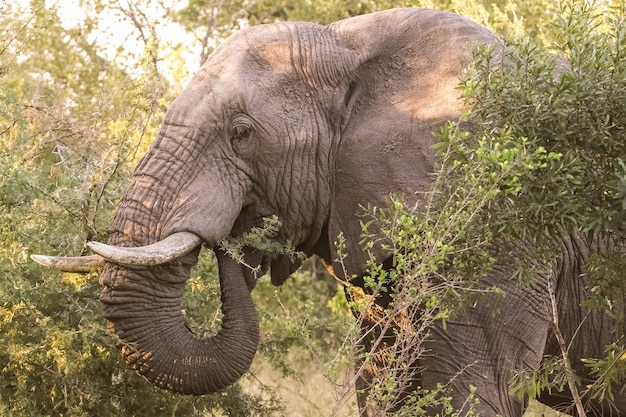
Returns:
<point x="499" y="335"/>
<point x="310" y="123"/>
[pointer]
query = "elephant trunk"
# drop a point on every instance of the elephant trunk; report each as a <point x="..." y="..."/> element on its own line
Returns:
<point x="175" y="192"/>
<point x="158" y="344"/>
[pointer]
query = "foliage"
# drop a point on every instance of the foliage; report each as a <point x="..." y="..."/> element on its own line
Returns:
<point x="260" y="238"/>
<point x="441" y="250"/>
<point x="577" y="117"/>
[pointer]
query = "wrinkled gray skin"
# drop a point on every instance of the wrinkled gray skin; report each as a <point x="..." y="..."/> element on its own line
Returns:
<point x="307" y="123"/>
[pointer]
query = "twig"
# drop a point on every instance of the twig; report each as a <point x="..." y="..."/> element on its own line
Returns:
<point x="564" y="353"/>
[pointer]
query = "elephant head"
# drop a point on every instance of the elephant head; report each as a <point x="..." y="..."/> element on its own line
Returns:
<point x="297" y="120"/>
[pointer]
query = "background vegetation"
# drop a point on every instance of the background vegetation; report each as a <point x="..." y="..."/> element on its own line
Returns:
<point x="81" y="98"/>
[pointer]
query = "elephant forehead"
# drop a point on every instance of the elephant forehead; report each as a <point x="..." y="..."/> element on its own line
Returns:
<point x="242" y="62"/>
<point x="221" y="73"/>
<point x="278" y="49"/>
<point x="275" y="49"/>
<point x="255" y="46"/>
<point x="274" y="56"/>
<point x="217" y="87"/>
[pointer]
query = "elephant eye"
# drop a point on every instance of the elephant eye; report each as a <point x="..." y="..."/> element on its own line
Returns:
<point x="241" y="131"/>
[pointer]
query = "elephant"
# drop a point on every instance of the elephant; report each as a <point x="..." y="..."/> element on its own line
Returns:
<point x="310" y="123"/>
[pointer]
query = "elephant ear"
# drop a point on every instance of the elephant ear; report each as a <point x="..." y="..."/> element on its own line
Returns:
<point x="401" y="90"/>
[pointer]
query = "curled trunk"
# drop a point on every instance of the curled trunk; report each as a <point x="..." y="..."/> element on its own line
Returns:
<point x="158" y="344"/>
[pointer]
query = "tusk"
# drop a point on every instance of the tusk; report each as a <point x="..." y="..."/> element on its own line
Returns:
<point x="168" y="249"/>
<point x="70" y="263"/>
